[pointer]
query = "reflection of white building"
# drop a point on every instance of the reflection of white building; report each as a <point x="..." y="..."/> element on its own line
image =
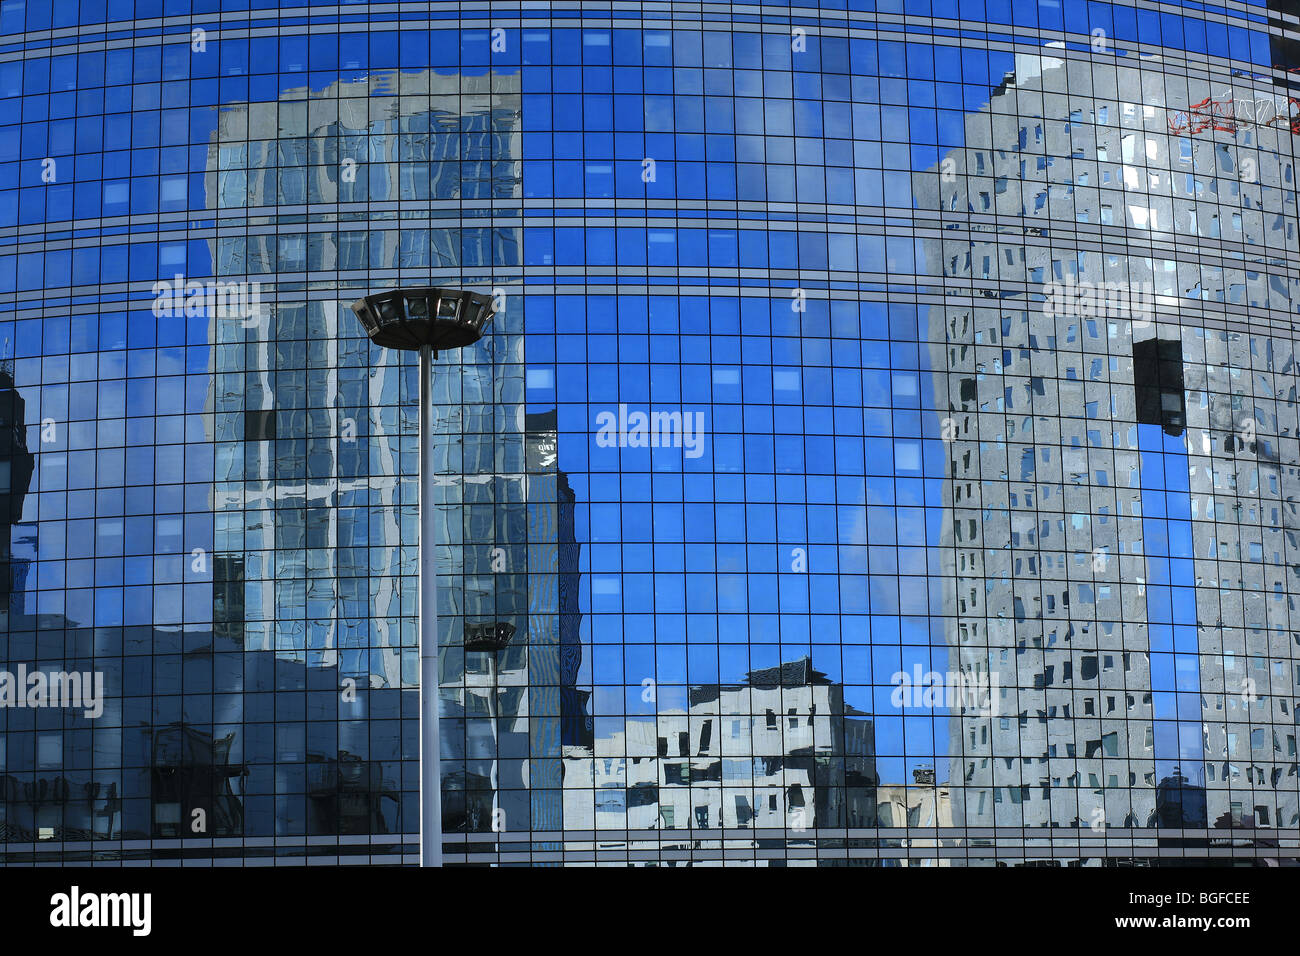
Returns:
<point x="1072" y="174"/>
<point x="315" y="431"/>
<point x="782" y="751"/>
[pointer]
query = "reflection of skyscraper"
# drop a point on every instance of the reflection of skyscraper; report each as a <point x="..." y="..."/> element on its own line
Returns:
<point x="550" y="489"/>
<point x="39" y="800"/>
<point x="1179" y="803"/>
<point x="16" y="463"/>
<point x="315" y="446"/>
<point x="1118" y="543"/>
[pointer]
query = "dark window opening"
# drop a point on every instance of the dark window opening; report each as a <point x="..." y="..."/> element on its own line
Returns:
<point x="1158" y="383"/>
<point x="259" y="424"/>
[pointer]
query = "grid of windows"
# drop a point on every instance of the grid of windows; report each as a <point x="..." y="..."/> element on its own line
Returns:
<point x="885" y="449"/>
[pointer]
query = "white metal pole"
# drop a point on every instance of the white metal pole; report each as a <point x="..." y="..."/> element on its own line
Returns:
<point x="430" y="750"/>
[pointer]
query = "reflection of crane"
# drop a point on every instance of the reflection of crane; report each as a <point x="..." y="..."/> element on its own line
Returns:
<point x="192" y="772"/>
<point x="347" y="794"/>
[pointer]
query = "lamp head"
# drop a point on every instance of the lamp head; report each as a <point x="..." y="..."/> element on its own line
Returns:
<point x="413" y="318"/>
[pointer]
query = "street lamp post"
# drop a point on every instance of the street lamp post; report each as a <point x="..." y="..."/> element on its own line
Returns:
<point x="428" y="320"/>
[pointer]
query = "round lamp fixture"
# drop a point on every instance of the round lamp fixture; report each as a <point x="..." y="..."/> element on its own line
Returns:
<point x="413" y="318"/>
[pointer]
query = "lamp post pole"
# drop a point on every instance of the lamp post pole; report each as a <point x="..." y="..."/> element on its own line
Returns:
<point x="430" y="747"/>
<point x="427" y="320"/>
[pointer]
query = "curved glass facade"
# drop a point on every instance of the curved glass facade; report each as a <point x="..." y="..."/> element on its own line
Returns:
<point x="885" y="451"/>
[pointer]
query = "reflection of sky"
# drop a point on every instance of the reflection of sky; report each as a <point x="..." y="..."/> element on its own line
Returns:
<point x="1171" y="605"/>
<point x="1047" y="14"/>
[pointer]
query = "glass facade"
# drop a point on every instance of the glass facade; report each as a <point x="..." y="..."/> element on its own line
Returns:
<point x="885" y="451"/>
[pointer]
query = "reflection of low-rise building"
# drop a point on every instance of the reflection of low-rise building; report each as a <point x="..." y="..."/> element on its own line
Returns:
<point x="35" y="808"/>
<point x="782" y="750"/>
<point x="1246" y="836"/>
<point x="207" y="779"/>
<point x="919" y="805"/>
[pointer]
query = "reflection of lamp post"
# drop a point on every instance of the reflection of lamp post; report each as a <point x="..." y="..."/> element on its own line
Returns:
<point x="491" y="639"/>
<point x="429" y="321"/>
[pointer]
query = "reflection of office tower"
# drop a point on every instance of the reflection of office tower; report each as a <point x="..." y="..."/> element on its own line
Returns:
<point x="835" y="761"/>
<point x="316" y="446"/>
<point x="1120" y="547"/>
<point x="1179" y="803"/>
<point x="576" y="723"/>
<point x="16" y="464"/>
<point x="1024" y="603"/>
<point x="553" y="509"/>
